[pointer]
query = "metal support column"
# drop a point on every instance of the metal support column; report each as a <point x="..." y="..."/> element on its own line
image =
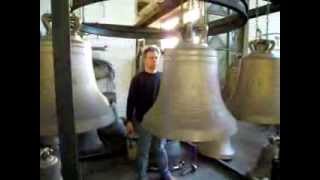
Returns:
<point x="63" y="87"/>
<point x="244" y="39"/>
<point x="228" y="49"/>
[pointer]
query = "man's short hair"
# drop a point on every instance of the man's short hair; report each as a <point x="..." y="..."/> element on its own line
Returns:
<point x="151" y="48"/>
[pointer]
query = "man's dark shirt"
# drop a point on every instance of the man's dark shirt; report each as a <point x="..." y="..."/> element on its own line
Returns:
<point x="144" y="89"/>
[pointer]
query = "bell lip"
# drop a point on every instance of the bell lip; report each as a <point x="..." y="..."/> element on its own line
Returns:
<point x="81" y="125"/>
<point x="191" y="135"/>
<point x="220" y="149"/>
<point x="211" y="149"/>
<point x="217" y="155"/>
<point x="256" y="118"/>
<point x="261" y="121"/>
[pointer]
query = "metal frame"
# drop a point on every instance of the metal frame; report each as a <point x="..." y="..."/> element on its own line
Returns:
<point x="231" y="22"/>
<point x="125" y="31"/>
<point x="263" y="10"/>
<point x="224" y="25"/>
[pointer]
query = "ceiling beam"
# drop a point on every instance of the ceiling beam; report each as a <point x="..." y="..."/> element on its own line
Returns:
<point x="80" y="3"/>
<point x="164" y="8"/>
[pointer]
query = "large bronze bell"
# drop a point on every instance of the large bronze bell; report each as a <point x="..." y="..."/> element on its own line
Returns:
<point x="91" y="108"/>
<point x="189" y="106"/>
<point x="257" y="97"/>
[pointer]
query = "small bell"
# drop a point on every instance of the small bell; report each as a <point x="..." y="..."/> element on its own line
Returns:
<point x="50" y="165"/>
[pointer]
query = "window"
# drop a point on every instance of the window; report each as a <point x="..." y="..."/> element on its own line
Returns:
<point x="273" y="26"/>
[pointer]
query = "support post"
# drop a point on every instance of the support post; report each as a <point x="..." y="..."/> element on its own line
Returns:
<point x="63" y="88"/>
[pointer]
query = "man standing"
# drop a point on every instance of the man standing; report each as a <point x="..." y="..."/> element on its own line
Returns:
<point x="144" y="89"/>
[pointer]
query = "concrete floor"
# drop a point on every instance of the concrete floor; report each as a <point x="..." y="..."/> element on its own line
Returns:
<point x="248" y="143"/>
<point x="120" y="169"/>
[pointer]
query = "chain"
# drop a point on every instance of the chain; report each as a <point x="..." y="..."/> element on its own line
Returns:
<point x="267" y="25"/>
<point x="70" y="5"/>
<point x="181" y="13"/>
<point x="258" y="31"/>
<point x="202" y="7"/>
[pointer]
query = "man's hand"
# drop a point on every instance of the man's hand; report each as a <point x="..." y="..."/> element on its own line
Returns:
<point x="130" y="129"/>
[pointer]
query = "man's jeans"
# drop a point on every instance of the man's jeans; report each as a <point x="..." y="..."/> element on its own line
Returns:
<point x="144" y="144"/>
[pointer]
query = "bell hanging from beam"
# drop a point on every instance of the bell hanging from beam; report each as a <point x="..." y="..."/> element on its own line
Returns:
<point x="91" y="108"/>
<point x="189" y="106"/>
<point x="257" y="96"/>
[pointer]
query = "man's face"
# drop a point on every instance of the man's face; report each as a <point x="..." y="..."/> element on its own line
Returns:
<point x="151" y="60"/>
